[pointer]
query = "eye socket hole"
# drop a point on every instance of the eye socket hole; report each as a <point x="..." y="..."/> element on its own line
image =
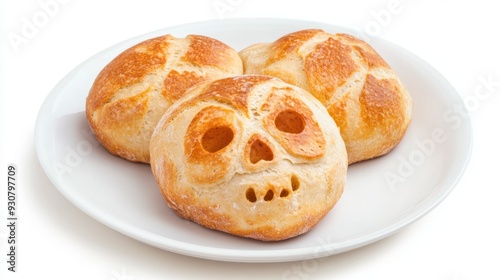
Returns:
<point x="260" y="151"/>
<point x="217" y="138"/>
<point x="290" y="121"/>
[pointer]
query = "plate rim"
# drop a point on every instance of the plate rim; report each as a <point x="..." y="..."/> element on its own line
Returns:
<point x="238" y="255"/>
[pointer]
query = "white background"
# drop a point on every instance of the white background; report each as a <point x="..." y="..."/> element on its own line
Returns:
<point x="458" y="240"/>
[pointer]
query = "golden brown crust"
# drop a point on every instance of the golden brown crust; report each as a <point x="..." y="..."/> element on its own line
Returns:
<point x="381" y="104"/>
<point x="133" y="91"/>
<point x="251" y="156"/>
<point x="304" y="137"/>
<point x="205" y="51"/>
<point x="126" y="69"/>
<point x="359" y="89"/>
<point x="176" y="84"/>
<point x="289" y="44"/>
<point x="207" y="152"/>
<point x="371" y="57"/>
<point x="328" y="67"/>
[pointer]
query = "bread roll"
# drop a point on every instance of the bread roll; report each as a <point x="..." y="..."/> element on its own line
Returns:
<point x="133" y="91"/>
<point x="359" y="89"/>
<point x="251" y="156"/>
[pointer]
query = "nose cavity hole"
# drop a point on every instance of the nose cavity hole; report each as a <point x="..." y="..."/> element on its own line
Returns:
<point x="260" y="151"/>
<point x="269" y="195"/>
<point x="290" y="121"/>
<point x="250" y="194"/>
<point x="217" y="138"/>
<point x="294" y="181"/>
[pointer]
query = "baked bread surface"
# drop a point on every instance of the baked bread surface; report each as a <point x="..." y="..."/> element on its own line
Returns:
<point x="251" y="156"/>
<point x="360" y="90"/>
<point x="133" y="91"/>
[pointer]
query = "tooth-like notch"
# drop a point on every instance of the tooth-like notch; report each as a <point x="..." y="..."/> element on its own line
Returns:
<point x="251" y="196"/>
<point x="294" y="182"/>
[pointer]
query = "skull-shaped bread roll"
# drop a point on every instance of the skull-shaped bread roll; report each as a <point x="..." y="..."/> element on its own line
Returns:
<point x="359" y="89"/>
<point x="251" y="156"/>
<point x="133" y="91"/>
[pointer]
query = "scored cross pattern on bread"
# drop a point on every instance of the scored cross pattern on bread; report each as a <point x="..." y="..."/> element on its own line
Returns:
<point x="362" y="93"/>
<point x="133" y="91"/>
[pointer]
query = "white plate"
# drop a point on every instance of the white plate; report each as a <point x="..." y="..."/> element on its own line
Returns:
<point x="381" y="196"/>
